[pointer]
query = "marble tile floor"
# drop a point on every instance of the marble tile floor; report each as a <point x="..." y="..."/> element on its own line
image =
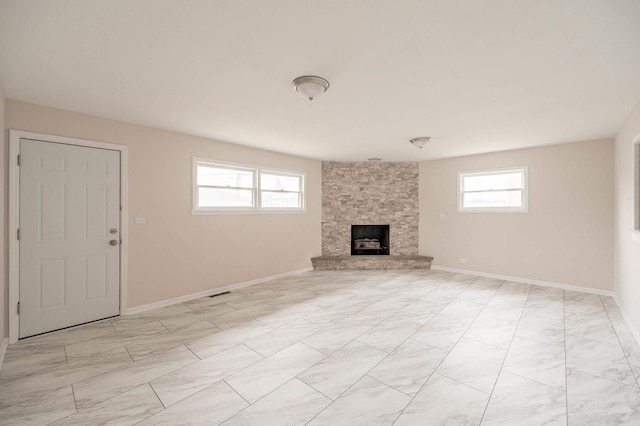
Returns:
<point x="419" y="347"/>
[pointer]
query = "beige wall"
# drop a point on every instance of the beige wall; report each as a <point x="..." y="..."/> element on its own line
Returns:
<point x="175" y="253"/>
<point x="566" y="237"/>
<point x="627" y="252"/>
<point x="4" y="289"/>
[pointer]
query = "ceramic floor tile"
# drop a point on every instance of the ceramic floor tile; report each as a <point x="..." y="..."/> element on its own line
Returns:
<point x="441" y="332"/>
<point x="211" y="407"/>
<point x="289" y="315"/>
<point x="522" y="402"/>
<point x="541" y="362"/>
<point x="292" y="404"/>
<point x="594" y="401"/>
<point x="15" y="367"/>
<point x="129" y="322"/>
<point x="464" y="310"/>
<point x="420" y="311"/>
<point x="600" y="359"/>
<point x="333" y="337"/>
<point x="541" y="328"/>
<point x="273" y="341"/>
<point x="473" y="363"/>
<point x="367" y="403"/>
<point x="552" y="309"/>
<point x="179" y="384"/>
<point x="508" y="307"/>
<point x="264" y="376"/>
<point x="377" y="312"/>
<point x="492" y="330"/>
<point x="242" y="316"/>
<point x="337" y="372"/>
<point x="44" y="410"/>
<point x="583" y="303"/>
<point x="105" y="386"/>
<point x="126" y="409"/>
<point x="167" y="341"/>
<point x="409" y="366"/>
<point x="225" y="339"/>
<point x="445" y="402"/>
<point x="390" y="334"/>
<point x="69" y="336"/>
<point x="109" y="342"/>
<point x="631" y="349"/>
<point x="34" y="386"/>
<point x="594" y="327"/>
<point x="314" y="326"/>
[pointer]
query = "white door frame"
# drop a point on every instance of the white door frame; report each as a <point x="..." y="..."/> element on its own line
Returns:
<point x="14" y="217"/>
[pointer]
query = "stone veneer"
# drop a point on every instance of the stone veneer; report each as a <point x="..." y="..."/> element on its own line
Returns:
<point x="369" y="193"/>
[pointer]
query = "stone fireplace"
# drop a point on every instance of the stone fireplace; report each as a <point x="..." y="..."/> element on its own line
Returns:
<point x="362" y="193"/>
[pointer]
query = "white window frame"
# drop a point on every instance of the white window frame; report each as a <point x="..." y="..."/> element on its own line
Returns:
<point x="256" y="189"/>
<point x="525" y="191"/>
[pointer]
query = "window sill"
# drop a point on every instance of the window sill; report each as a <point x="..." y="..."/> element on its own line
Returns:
<point x="635" y="236"/>
<point x="243" y="212"/>
<point x="491" y="210"/>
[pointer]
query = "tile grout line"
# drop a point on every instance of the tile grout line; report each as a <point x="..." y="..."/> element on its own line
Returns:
<point x="435" y="370"/>
<point x="505" y="357"/>
<point x="626" y="357"/>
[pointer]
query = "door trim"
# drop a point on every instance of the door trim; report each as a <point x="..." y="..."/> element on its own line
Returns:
<point x="14" y="216"/>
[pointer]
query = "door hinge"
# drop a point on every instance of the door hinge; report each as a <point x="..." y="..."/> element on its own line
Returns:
<point x="18" y="159"/>
<point x="18" y="308"/>
<point x="18" y="234"/>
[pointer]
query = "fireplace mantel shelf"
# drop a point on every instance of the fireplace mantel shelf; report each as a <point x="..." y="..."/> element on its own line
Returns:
<point x="371" y="262"/>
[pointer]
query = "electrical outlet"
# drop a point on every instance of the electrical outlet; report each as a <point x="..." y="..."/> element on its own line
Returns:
<point x="140" y="220"/>
<point x="442" y="216"/>
<point x="462" y="260"/>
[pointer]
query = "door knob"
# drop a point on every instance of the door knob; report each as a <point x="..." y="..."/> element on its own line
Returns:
<point x="113" y="231"/>
<point x="113" y="242"/>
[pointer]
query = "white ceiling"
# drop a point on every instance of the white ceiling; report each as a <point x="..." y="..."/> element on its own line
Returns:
<point x="476" y="76"/>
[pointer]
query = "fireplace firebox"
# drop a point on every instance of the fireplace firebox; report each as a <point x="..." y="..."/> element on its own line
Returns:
<point x="369" y="240"/>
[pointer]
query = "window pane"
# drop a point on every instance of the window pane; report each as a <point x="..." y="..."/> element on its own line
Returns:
<point x="493" y="181"/>
<point x="218" y="176"/>
<point x="221" y="197"/>
<point x="280" y="199"/>
<point x="275" y="182"/>
<point x="492" y="199"/>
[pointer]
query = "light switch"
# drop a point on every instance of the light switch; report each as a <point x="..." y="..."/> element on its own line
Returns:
<point x="441" y="216"/>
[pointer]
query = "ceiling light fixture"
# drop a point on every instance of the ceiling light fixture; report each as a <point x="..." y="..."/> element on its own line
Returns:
<point x="420" y="142"/>
<point x="310" y="86"/>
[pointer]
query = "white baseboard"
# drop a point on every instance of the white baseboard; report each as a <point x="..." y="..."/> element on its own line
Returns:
<point x="527" y="281"/>
<point x="187" y="297"/>
<point x="3" y="350"/>
<point x="627" y="320"/>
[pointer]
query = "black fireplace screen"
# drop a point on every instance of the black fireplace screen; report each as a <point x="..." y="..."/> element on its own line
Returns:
<point x="369" y="239"/>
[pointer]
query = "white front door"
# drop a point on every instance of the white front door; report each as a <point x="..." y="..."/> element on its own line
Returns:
<point x="69" y="235"/>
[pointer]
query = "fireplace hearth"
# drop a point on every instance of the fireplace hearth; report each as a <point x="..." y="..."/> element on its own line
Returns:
<point x="369" y="240"/>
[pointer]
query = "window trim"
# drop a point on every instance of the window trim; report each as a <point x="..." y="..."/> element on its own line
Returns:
<point x="525" y="190"/>
<point x="256" y="189"/>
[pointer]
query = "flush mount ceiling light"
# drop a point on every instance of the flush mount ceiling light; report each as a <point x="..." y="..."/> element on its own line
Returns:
<point x="310" y="86"/>
<point x="420" y="142"/>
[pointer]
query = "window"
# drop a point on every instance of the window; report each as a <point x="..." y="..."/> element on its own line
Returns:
<point x="225" y="187"/>
<point x="493" y="191"/>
